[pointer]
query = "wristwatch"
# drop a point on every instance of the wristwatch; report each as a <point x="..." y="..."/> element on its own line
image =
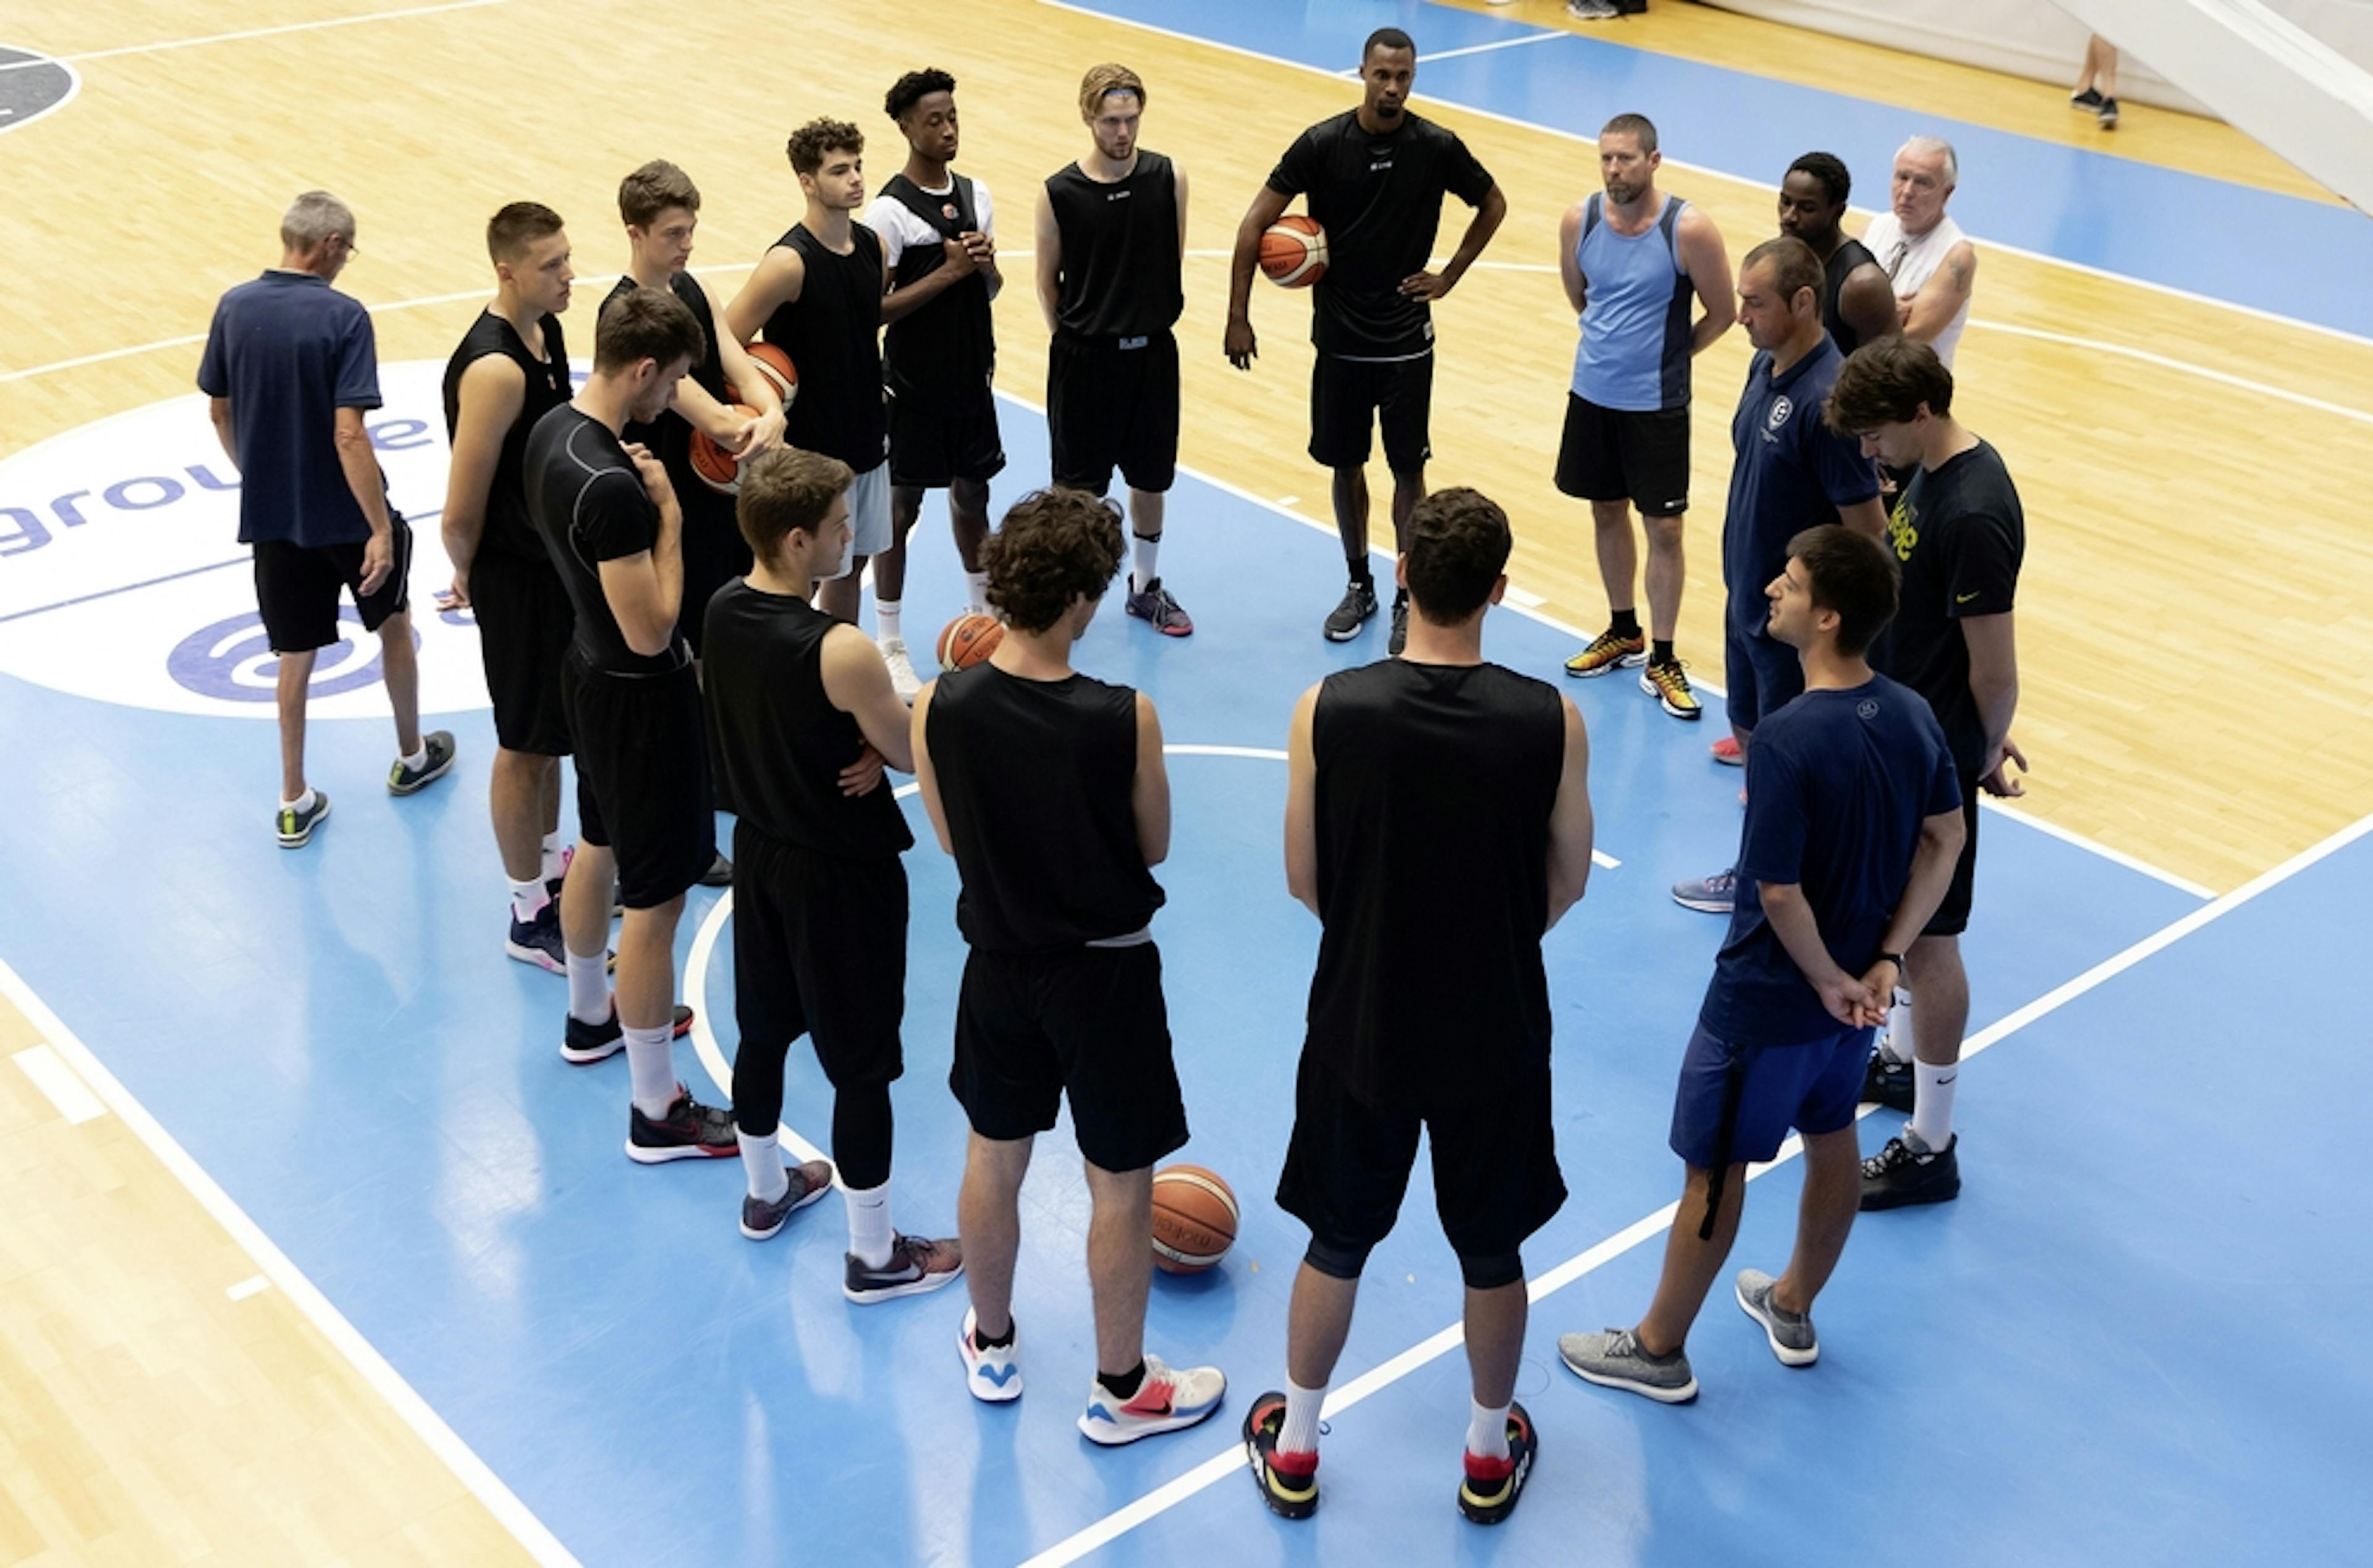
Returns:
<point x="1895" y="959"/>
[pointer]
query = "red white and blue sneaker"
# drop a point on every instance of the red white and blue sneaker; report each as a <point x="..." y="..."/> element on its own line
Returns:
<point x="993" y="1375"/>
<point x="1288" y="1482"/>
<point x="1488" y="1494"/>
<point x="1169" y="1400"/>
<point x="582" y="1043"/>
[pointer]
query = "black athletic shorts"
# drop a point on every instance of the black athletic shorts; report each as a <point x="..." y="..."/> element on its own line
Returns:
<point x="1495" y="1170"/>
<point x="297" y="588"/>
<point x="1349" y="396"/>
<point x="1087" y="1021"/>
<point x="820" y="949"/>
<point x="1113" y="403"/>
<point x="1617" y="455"/>
<point x="525" y="622"/>
<point x="642" y="777"/>
<point x="932" y="444"/>
<point x="1952" y="916"/>
<point x="714" y="554"/>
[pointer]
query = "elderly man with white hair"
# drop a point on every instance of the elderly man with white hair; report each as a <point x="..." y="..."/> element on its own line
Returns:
<point x="1931" y="262"/>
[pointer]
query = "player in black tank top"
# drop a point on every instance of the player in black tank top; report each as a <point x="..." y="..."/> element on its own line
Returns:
<point x="1856" y="304"/>
<point x="1047" y="787"/>
<point x="801" y="713"/>
<point x="1438" y="824"/>
<point x="1111" y="231"/>
<point x="511" y="369"/>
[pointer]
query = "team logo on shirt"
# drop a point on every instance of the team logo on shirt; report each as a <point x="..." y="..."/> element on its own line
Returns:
<point x="1867" y="709"/>
<point x="1780" y="409"/>
<point x="122" y="579"/>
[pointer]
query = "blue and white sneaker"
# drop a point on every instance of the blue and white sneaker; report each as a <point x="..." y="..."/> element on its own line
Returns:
<point x="1170" y="1400"/>
<point x="1709" y="895"/>
<point x="537" y="941"/>
<point x="994" y="1376"/>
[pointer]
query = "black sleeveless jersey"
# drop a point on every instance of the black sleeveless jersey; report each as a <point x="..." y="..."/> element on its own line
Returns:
<point x="833" y="333"/>
<point x="1035" y="777"/>
<point x="509" y="529"/>
<point x="1849" y="254"/>
<point x="1435" y="788"/>
<point x="1120" y="251"/>
<point x="947" y="350"/>
<point x="669" y="435"/>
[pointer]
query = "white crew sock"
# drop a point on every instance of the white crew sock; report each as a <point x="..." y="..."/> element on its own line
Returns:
<point x="302" y="803"/>
<point x="554" y="860"/>
<point x="762" y="1162"/>
<point x="1301" y="1407"/>
<point x="976" y="592"/>
<point x="1931" y="1103"/>
<point x="589" y="987"/>
<point x="1896" y="1043"/>
<point x="1487" y="1432"/>
<point x="885" y="621"/>
<point x="528" y="898"/>
<point x="418" y="759"/>
<point x="869" y="1235"/>
<point x="1148" y="553"/>
<point x="650" y="1061"/>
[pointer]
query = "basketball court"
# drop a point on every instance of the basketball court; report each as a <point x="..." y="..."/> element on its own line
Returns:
<point x="312" y="1249"/>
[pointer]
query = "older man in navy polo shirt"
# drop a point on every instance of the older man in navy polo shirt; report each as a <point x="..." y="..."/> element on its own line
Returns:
<point x="291" y="366"/>
<point x="1789" y="473"/>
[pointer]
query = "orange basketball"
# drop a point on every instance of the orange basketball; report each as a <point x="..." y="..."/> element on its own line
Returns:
<point x="1293" y="251"/>
<point x="969" y="639"/>
<point x="1194" y="1219"/>
<point x="776" y="367"/>
<point x="713" y="463"/>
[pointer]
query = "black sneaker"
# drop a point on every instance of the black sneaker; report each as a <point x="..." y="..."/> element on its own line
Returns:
<point x="718" y="875"/>
<point x="1400" y="624"/>
<point x="2090" y="98"/>
<point x="2109" y="113"/>
<point x="1897" y="1176"/>
<point x="1887" y="1083"/>
<point x="583" y="1043"/>
<point x="916" y="1266"/>
<point x="1358" y="603"/>
<point x="295" y="827"/>
<point x="439" y="744"/>
<point x="537" y="941"/>
<point x="761" y="1219"/>
<point x="1287" y="1494"/>
<point x="1489" y="1493"/>
<point x="1157" y="608"/>
<point x="690" y="1131"/>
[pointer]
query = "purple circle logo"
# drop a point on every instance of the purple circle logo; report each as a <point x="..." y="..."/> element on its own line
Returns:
<point x="232" y="660"/>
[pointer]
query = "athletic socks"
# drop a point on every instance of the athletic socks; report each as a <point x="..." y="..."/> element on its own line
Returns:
<point x="528" y="898"/>
<point x="588" y="988"/>
<point x="1661" y="651"/>
<point x="762" y="1162"/>
<point x="1931" y="1103"/>
<point x="418" y="760"/>
<point x="885" y="620"/>
<point x="1002" y="1341"/>
<point x="1487" y="1432"/>
<point x="1358" y="565"/>
<point x="1123" y="1386"/>
<point x="1624" y="622"/>
<point x="976" y="592"/>
<point x="1300" y="1434"/>
<point x="1145" y="553"/>
<point x="302" y="803"/>
<point x="1896" y="1043"/>
<point x="869" y="1235"/>
<point x="652" y="1066"/>
<point x="556" y="859"/>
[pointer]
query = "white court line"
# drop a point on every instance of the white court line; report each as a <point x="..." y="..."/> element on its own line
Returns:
<point x="473" y="1473"/>
<point x="1353" y="74"/>
<point x="255" y="1284"/>
<point x="1524" y="124"/>
<point x="1210" y="1471"/>
<point x="251" y="32"/>
<point x="55" y="1078"/>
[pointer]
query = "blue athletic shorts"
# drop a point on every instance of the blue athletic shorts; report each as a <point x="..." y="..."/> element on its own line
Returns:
<point x="1736" y="1103"/>
<point x="1760" y="675"/>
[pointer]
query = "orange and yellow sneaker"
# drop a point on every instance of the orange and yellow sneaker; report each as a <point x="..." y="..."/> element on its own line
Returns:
<point x="1610" y="650"/>
<point x="1669" y="684"/>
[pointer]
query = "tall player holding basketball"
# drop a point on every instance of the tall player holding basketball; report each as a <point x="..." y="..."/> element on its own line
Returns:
<point x="1375" y="177"/>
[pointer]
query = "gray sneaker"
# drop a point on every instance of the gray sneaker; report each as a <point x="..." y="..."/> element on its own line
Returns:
<point x="1791" y="1334"/>
<point x="1709" y="895"/>
<point x="808" y="1182"/>
<point x="438" y="749"/>
<point x="1614" y="1360"/>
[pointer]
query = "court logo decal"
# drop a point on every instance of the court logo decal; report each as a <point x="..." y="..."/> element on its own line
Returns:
<point x="31" y="85"/>
<point x="122" y="579"/>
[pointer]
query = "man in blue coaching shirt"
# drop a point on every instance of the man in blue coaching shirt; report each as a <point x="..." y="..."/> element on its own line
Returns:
<point x="1853" y="825"/>
<point x="1791" y="472"/>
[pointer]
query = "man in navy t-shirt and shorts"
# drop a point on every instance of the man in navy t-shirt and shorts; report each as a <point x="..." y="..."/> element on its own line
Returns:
<point x="291" y="366"/>
<point x="1854" y="822"/>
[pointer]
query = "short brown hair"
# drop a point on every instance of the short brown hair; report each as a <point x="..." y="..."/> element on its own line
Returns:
<point x="812" y="141"/>
<point x="646" y="323"/>
<point x="784" y="491"/>
<point x="1457" y="543"/>
<point x="1104" y="79"/>
<point x="1853" y="574"/>
<point x="510" y="231"/>
<point x="1054" y="546"/>
<point x="1885" y="382"/>
<point x="1794" y="268"/>
<point x="1637" y="125"/>
<point x="652" y="190"/>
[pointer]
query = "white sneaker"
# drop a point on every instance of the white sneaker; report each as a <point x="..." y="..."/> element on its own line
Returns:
<point x="991" y="1374"/>
<point x="902" y="670"/>
<point x="1169" y="1400"/>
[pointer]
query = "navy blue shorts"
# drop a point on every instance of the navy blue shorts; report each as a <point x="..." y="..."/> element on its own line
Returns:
<point x="1761" y="674"/>
<point x="1812" y="1088"/>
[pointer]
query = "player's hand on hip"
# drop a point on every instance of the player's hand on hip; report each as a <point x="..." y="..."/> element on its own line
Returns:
<point x="864" y="776"/>
<point x="379" y="560"/>
<point x="1425" y="286"/>
<point x="1242" y="347"/>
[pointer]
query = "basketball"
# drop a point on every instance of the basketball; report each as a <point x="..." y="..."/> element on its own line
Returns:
<point x="1194" y="1219"/>
<point x="1293" y="251"/>
<point x="969" y="639"/>
<point x="776" y="367"/>
<point x="713" y="463"/>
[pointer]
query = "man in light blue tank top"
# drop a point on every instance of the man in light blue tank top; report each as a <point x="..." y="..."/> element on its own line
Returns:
<point x="1631" y="258"/>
